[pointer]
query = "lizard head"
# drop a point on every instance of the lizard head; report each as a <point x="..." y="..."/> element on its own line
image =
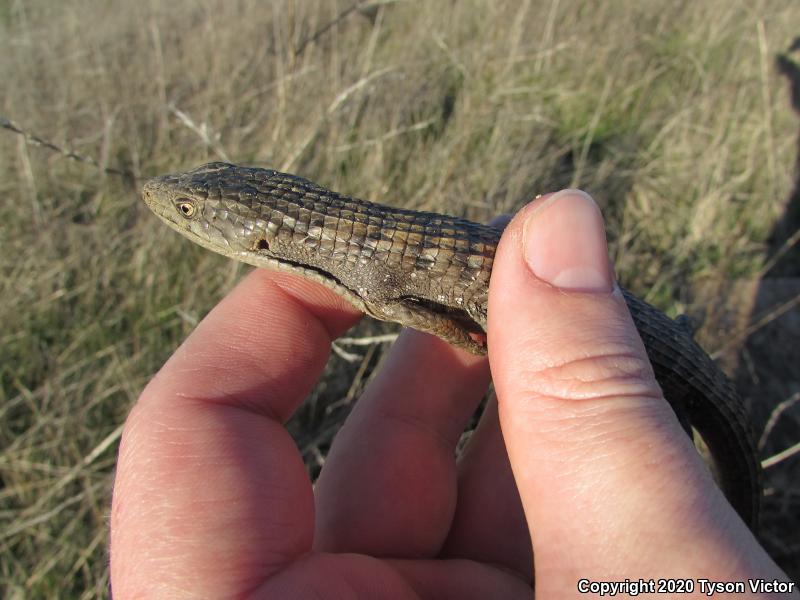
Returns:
<point x="218" y="206"/>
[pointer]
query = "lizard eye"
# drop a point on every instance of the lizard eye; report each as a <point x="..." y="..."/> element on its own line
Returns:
<point x="186" y="207"/>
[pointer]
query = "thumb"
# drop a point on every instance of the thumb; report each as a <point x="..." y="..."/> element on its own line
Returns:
<point x="609" y="482"/>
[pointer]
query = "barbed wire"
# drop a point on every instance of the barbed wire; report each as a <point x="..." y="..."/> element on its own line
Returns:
<point x="35" y="140"/>
<point x="360" y="6"/>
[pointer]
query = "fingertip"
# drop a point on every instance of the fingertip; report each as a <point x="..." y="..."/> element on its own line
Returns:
<point x="564" y="243"/>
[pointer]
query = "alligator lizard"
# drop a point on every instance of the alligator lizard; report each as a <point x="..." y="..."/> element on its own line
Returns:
<point x="430" y="272"/>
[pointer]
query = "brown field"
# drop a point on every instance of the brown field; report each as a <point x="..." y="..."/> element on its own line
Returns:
<point x="680" y="118"/>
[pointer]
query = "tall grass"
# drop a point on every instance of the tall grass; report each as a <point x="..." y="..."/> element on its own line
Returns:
<point x="670" y="114"/>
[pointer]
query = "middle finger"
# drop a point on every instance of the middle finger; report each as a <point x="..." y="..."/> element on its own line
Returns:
<point x="389" y="484"/>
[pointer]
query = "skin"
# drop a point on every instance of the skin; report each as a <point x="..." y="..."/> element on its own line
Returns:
<point x="579" y="454"/>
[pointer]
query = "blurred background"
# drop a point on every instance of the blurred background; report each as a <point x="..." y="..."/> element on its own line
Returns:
<point x="681" y="118"/>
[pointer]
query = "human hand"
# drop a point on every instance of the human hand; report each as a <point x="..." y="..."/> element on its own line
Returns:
<point x="212" y="498"/>
<point x="611" y="488"/>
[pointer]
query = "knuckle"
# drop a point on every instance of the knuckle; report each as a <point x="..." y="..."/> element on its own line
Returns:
<point x="607" y="373"/>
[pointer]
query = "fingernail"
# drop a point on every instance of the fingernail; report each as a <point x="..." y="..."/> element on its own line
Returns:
<point x="564" y="243"/>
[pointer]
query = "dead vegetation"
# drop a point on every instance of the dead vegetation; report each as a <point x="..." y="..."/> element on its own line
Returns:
<point x="671" y="115"/>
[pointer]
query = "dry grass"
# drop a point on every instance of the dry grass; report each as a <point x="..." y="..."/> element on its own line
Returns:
<point x="671" y="114"/>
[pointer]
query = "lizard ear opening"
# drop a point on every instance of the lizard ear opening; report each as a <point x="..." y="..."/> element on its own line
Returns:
<point x="262" y="244"/>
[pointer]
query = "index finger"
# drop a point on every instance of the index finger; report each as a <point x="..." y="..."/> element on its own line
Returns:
<point x="211" y="493"/>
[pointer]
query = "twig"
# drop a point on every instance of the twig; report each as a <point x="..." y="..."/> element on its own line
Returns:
<point x="762" y="322"/>
<point x="202" y="131"/>
<point x="324" y="436"/>
<point x="346" y="356"/>
<point x="35" y="140"/>
<point x="352" y="357"/>
<point x="355" y="386"/>
<point x="319" y="458"/>
<point x="785" y="247"/>
<point x="369" y="340"/>
<point x="386" y="136"/>
<point x="334" y="106"/>
<point x="325" y="28"/>
<point x="775" y="415"/>
<point x="780" y="456"/>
